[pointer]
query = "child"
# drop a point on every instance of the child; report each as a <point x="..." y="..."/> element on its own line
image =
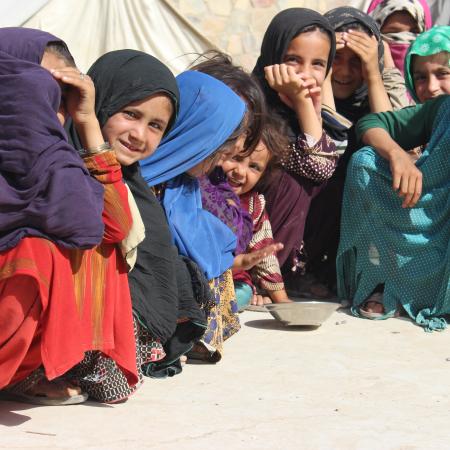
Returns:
<point x="400" y="22"/>
<point x="427" y="70"/>
<point x="245" y="174"/>
<point x="428" y="76"/>
<point x="357" y="89"/>
<point x="399" y="245"/>
<point x="296" y="55"/>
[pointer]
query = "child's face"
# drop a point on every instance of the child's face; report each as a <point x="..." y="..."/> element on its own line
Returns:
<point x="347" y="74"/>
<point x="431" y="75"/>
<point x="136" y="131"/>
<point x="243" y="172"/>
<point x="308" y="53"/>
<point x="400" y="21"/>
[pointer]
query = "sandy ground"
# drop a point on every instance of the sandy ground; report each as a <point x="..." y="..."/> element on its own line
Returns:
<point x="351" y="384"/>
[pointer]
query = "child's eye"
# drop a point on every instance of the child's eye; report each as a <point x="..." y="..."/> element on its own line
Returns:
<point x="443" y="73"/>
<point x="291" y="59"/>
<point x="130" y="114"/>
<point x="255" y="167"/>
<point x="155" y="125"/>
<point x="419" y="77"/>
<point x="319" y="63"/>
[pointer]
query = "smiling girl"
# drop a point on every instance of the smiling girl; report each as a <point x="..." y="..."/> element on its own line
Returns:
<point x="245" y="173"/>
<point x="296" y="55"/>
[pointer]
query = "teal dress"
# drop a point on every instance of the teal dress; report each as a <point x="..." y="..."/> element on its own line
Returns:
<point x="406" y="250"/>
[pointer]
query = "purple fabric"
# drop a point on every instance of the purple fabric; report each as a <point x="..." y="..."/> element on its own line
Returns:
<point x="45" y="190"/>
<point x="219" y="199"/>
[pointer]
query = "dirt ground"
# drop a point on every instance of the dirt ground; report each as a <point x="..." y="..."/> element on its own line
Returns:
<point x="350" y="384"/>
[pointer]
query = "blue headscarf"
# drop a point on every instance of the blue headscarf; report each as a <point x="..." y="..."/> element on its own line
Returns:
<point x="209" y="113"/>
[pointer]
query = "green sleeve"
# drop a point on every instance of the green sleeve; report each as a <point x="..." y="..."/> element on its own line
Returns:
<point x="409" y="127"/>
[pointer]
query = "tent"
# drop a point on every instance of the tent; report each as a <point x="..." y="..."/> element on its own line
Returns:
<point x="175" y="31"/>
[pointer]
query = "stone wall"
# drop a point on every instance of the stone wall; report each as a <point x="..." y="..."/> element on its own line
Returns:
<point x="237" y="26"/>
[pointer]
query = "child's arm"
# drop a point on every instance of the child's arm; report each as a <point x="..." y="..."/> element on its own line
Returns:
<point x="367" y="49"/>
<point x="297" y="91"/>
<point x="316" y="162"/>
<point x="390" y="133"/>
<point x="102" y="165"/>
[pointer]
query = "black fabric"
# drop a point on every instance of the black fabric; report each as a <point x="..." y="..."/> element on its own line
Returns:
<point x="153" y="281"/>
<point x="284" y="27"/>
<point x="357" y="105"/>
<point x="181" y="342"/>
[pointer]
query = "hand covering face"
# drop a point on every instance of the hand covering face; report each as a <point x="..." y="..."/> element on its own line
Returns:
<point x="45" y="189"/>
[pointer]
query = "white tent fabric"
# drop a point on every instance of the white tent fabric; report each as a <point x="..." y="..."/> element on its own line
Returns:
<point x="92" y="28"/>
<point x="14" y="13"/>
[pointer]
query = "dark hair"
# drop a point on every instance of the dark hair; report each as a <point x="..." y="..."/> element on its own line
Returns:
<point x="357" y="26"/>
<point x="220" y="66"/>
<point x="274" y="137"/>
<point x="59" y="49"/>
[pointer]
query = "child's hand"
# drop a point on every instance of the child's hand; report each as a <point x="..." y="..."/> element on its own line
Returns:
<point x="366" y="47"/>
<point x="289" y="85"/>
<point x="406" y="178"/>
<point x="79" y="100"/>
<point x="246" y="261"/>
<point x="340" y="43"/>
<point x="260" y="300"/>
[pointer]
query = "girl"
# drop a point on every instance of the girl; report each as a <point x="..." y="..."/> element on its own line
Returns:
<point x="427" y="71"/>
<point x="296" y="55"/>
<point x="400" y="22"/>
<point x="400" y="247"/>
<point x="137" y="100"/>
<point x="428" y="76"/>
<point x="68" y="315"/>
<point x="357" y="89"/>
<point x="246" y="174"/>
<point x="209" y="123"/>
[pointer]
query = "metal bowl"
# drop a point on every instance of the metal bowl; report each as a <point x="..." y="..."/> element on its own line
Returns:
<point x="303" y="312"/>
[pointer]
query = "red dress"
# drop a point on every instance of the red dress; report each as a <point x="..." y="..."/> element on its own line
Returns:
<point x="56" y="304"/>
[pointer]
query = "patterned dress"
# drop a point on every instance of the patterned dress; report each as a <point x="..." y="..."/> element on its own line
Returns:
<point x="266" y="274"/>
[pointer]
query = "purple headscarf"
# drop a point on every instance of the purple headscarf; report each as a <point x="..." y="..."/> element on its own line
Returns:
<point x="45" y="189"/>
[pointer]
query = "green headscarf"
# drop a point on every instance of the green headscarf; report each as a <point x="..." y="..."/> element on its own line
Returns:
<point x="433" y="41"/>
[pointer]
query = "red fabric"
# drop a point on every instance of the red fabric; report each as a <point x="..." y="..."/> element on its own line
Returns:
<point x="39" y="322"/>
<point x="56" y="304"/>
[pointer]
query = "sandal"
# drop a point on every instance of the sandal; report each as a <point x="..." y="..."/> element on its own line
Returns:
<point x="37" y="396"/>
<point x="202" y="355"/>
<point x="376" y="298"/>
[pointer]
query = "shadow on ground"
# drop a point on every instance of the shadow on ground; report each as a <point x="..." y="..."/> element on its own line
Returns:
<point x="272" y="324"/>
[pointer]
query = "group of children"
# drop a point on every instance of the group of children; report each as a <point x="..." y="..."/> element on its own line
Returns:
<point x="140" y="213"/>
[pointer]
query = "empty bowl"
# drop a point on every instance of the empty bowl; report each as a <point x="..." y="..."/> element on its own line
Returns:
<point x="303" y="312"/>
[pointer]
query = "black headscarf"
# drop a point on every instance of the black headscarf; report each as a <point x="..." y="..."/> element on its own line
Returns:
<point x="160" y="286"/>
<point x="125" y="76"/>
<point x="283" y="28"/>
<point x="45" y="188"/>
<point x="357" y="105"/>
